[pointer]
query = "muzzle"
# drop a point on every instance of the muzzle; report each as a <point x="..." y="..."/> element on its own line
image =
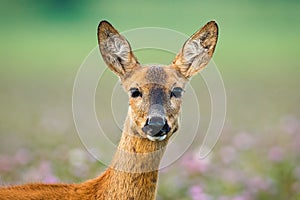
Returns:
<point x="156" y="126"/>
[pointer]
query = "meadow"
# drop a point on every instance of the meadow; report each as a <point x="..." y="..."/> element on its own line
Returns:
<point x="43" y="44"/>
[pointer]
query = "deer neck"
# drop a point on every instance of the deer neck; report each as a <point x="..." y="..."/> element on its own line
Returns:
<point x="134" y="168"/>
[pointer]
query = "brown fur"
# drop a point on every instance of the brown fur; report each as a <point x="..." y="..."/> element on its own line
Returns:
<point x="133" y="173"/>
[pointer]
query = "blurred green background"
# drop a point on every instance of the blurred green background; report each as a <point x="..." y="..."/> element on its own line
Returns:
<point x="43" y="44"/>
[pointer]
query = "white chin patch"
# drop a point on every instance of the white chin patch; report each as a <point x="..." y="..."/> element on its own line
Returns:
<point x="157" y="138"/>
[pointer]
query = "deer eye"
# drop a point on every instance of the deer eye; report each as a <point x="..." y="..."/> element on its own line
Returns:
<point x="134" y="92"/>
<point x="176" y="92"/>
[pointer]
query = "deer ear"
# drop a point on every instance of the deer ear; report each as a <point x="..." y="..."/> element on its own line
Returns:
<point x="115" y="50"/>
<point x="197" y="50"/>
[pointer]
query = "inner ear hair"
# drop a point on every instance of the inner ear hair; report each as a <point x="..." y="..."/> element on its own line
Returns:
<point x="197" y="50"/>
<point x="115" y="49"/>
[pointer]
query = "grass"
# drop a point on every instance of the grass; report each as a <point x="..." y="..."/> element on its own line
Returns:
<point x="43" y="45"/>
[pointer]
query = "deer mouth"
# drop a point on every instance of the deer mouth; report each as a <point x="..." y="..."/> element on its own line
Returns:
<point x="156" y="129"/>
<point x="158" y="138"/>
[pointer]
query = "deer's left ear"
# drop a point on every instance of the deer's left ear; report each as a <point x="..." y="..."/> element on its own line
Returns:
<point x="115" y="50"/>
<point x="197" y="50"/>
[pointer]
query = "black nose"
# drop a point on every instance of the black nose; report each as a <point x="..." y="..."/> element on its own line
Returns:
<point x="158" y="122"/>
<point x="156" y="126"/>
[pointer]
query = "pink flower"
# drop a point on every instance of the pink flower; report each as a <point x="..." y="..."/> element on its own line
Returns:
<point x="22" y="157"/>
<point x="50" y="179"/>
<point x="195" y="190"/>
<point x="243" y="141"/>
<point x="193" y="163"/>
<point x="232" y="176"/>
<point x="258" y="183"/>
<point x="276" y="154"/>
<point x="42" y="173"/>
<point x="6" y="163"/>
<point x="228" y="154"/>
<point x="196" y="193"/>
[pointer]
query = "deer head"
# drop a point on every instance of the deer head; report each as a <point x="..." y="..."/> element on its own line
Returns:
<point x="155" y="92"/>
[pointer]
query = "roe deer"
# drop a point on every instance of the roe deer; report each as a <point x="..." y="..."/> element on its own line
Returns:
<point x="155" y="99"/>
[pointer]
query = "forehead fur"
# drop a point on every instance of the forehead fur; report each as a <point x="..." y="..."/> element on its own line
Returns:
<point x="161" y="75"/>
<point x="156" y="74"/>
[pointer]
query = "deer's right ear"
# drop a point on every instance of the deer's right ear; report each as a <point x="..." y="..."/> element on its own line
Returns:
<point x="115" y="50"/>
